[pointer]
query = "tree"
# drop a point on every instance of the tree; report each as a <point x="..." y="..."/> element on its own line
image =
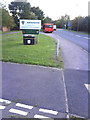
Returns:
<point x="63" y="21"/>
<point x="75" y="24"/>
<point x="80" y="24"/>
<point x="67" y="19"/>
<point x="38" y="13"/>
<point x="58" y="23"/>
<point x="85" y="24"/>
<point x="7" y="20"/>
<point x="47" y="20"/>
<point x="89" y="23"/>
<point x="27" y="14"/>
<point x="20" y="10"/>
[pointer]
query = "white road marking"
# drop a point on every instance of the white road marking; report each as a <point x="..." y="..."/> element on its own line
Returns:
<point x="77" y="68"/>
<point x="40" y="116"/>
<point x="2" y="107"/>
<point x="24" y="106"/>
<point x="20" y="112"/>
<point x="84" y="50"/>
<point x="58" y="45"/>
<point x="86" y="37"/>
<point x="5" y="101"/>
<point x="48" y="111"/>
<point x="88" y="87"/>
<point x="78" y="35"/>
<point x="66" y="98"/>
<point x="76" y="116"/>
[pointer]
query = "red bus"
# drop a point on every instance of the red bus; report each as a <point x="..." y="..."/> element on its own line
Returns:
<point x="48" y="27"/>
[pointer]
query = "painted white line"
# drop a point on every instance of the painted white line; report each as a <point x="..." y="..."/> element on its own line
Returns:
<point x="2" y="107"/>
<point x="78" y="35"/>
<point x="76" y="116"/>
<point x="40" y="116"/>
<point x="24" y="106"/>
<point x="66" y="98"/>
<point x="86" y="37"/>
<point x="20" y="112"/>
<point x="88" y="87"/>
<point x="77" y="68"/>
<point x="84" y="50"/>
<point x="5" y="101"/>
<point x="58" y="47"/>
<point x="48" y="111"/>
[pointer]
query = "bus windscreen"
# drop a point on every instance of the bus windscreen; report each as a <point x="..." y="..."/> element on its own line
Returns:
<point x="48" y="26"/>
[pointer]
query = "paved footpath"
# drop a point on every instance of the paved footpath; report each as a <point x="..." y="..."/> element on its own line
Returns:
<point x="32" y="91"/>
<point x="39" y="92"/>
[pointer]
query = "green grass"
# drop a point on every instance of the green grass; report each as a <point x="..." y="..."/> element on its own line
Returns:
<point x="0" y="32"/>
<point x="42" y="53"/>
<point x="9" y="31"/>
<point x="76" y="118"/>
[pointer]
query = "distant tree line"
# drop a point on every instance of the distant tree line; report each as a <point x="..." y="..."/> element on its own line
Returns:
<point x="23" y="10"/>
<point x="81" y="24"/>
<point x="77" y="24"/>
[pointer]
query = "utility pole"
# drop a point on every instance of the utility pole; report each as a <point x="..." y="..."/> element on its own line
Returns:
<point x="77" y="24"/>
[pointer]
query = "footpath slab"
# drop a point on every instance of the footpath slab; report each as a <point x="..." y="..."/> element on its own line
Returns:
<point x="43" y="92"/>
<point x="36" y="86"/>
<point x="77" y="93"/>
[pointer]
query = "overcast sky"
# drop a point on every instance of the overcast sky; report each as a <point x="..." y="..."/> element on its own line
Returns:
<point x="57" y="8"/>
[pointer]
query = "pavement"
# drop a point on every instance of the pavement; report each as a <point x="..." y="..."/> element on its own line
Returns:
<point x="40" y="87"/>
<point x="52" y="93"/>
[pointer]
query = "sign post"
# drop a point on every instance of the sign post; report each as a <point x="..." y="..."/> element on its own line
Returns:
<point x="30" y="28"/>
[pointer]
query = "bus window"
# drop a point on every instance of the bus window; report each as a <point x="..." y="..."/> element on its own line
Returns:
<point x="48" y="26"/>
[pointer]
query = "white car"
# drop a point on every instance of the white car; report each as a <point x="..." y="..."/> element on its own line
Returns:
<point x="54" y="27"/>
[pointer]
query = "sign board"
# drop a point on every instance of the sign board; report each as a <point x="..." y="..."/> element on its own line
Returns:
<point x="30" y="24"/>
<point x="30" y="31"/>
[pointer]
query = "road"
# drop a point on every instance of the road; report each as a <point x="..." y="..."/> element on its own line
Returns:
<point x="77" y="38"/>
<point x="64" y="92"/>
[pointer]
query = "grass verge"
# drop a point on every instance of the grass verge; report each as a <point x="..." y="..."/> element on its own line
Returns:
<point x="77" y="32"/>
<point x="42" y="53"/>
